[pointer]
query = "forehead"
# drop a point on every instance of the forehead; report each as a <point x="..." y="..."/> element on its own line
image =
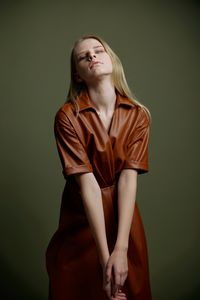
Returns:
<point x="86" y="44"/>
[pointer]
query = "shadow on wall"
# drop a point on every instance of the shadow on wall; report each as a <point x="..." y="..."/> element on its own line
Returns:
<point x="12" y="286"/>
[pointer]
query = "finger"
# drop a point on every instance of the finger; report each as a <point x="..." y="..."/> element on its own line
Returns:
<point x="106" y="282"/>
<point x="117" y="279"/>
<point x="120" y="289"/>
<point x="116" y="283"/>
<point x="120" y="294"/>
<point x="114" y="287"/>
<point x="108" y="272"/>
<point x="117" y="293"/>
<point x="123" y="278"/>
<point x="120" y="297"/>
<point x="107" y="288"/>
<point x="121" y="283"/>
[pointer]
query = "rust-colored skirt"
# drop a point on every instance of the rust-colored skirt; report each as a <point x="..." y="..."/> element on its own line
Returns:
<point x="72" y="262"/>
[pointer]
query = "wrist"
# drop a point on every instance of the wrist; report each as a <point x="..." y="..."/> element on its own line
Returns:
<point x="104" y="259"/>
<point x="120" y="247"/>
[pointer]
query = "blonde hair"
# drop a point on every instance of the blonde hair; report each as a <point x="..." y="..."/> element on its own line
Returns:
<point x="118" y="76"/>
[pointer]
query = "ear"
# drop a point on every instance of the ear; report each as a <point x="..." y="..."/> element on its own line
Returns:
<point x="77" y="77"/>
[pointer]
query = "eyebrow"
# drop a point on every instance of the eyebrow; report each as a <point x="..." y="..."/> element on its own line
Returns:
<point x="100" y="46"/>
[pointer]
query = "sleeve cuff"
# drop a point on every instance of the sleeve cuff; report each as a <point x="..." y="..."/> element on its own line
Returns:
<point x="86" y="168"/>
<point x="141" y="167"/>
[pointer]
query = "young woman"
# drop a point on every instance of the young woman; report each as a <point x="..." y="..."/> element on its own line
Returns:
<point x="99" y="250"/>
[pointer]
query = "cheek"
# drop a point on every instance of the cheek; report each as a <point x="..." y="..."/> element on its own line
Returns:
<point x="108" y="59"/>
<point x="109" y="64"/>
<point x="81" y="71"/>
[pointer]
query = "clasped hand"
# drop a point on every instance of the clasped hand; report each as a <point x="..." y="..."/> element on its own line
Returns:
<point x="115" y="273"/>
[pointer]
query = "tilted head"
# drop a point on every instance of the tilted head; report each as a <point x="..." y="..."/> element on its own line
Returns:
<point x="78" y="85"/>
<point x="118" y="76"/>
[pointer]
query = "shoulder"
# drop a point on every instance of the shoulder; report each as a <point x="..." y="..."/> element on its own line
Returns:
<point x="141" y="115"/>
<point x="138" y="110"/>
<point x="144" y="115"/>
<point x="64" y="111"/>
<point x="62" y="117"/>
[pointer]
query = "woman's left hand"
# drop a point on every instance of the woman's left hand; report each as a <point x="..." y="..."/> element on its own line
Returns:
<point x="117" y="269"/>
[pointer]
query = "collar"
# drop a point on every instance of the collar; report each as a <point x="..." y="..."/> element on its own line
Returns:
<point x="85" y="102"/>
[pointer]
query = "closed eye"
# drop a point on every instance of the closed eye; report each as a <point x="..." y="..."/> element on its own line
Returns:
<point x="99" y="51"/>
<point x="81" y="57"/>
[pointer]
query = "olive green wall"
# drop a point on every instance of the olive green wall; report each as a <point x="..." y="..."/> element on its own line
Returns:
<point x="158" y="44"/>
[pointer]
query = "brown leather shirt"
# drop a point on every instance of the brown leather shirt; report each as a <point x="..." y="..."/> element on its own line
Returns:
<point x="84" y="144"/>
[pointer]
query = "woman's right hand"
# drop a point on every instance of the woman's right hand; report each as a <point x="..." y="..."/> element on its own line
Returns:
<point x="108" y="287"/>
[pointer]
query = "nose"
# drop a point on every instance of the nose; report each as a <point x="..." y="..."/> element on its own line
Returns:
<point x="91" y="56"/>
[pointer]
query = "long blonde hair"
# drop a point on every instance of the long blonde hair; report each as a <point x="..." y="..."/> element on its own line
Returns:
<point x="118" y="76"/>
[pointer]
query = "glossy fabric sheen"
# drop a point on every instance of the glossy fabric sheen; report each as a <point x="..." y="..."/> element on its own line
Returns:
<point x="84" y="145"/>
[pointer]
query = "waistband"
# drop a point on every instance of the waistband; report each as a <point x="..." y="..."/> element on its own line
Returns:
<point x="108" y="187"/>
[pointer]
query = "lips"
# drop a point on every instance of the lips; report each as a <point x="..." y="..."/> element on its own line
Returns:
<point x="94" y="63"/>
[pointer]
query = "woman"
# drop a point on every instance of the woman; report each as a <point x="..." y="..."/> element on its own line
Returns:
<point x="99" y="250"/>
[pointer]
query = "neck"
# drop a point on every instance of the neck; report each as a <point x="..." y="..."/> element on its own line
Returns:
<point x="103" y="95"/>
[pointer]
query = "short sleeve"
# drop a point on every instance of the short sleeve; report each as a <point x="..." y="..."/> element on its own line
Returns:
<point x="137" y="144"/>
<point x="71" y="151"/>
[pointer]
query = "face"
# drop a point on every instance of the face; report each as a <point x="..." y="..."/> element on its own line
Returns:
<point x="92" y="61"/>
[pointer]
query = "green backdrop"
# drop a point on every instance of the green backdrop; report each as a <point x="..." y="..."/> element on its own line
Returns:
<point x="158" y="44"/>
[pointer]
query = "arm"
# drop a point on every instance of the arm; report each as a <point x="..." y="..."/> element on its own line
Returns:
<point x="136" y="162"/>
<point x="127" y="186"/>
<point x="92" y="200"/>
